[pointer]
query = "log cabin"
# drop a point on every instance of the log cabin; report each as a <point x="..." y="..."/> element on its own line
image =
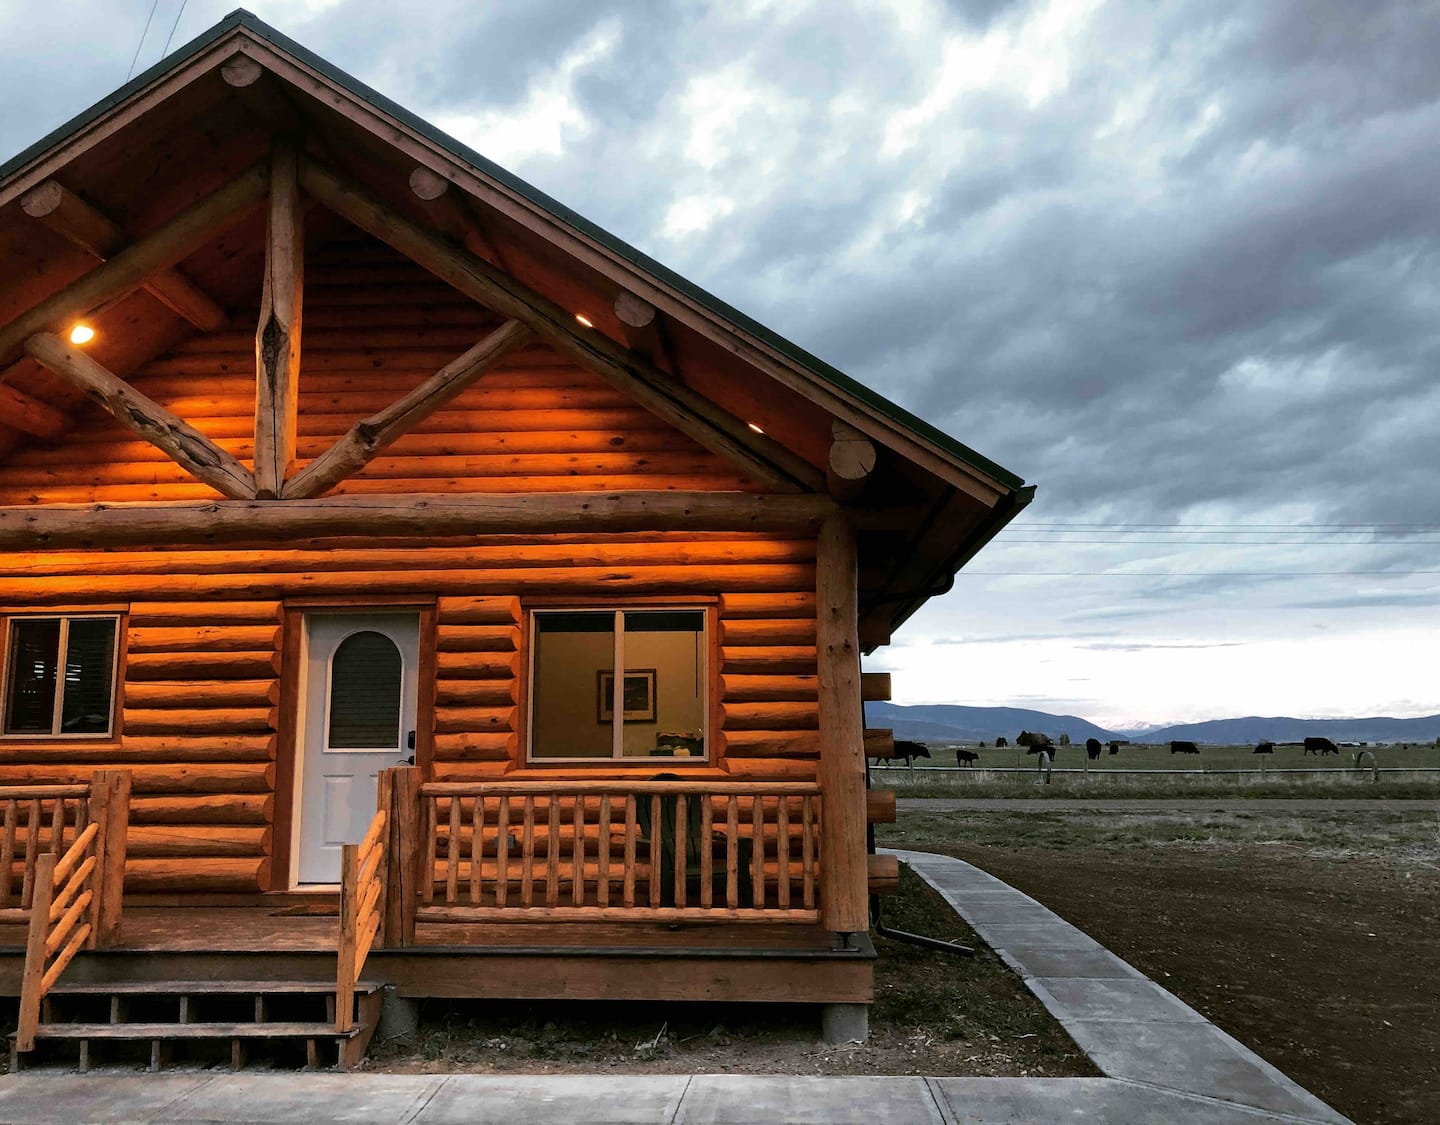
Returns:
<point x="411" y="590"/>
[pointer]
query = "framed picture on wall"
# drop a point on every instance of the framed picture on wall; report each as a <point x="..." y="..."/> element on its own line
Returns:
<point x="639" y="696"/>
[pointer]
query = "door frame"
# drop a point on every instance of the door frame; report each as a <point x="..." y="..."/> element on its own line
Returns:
<point x="289" y="762"/>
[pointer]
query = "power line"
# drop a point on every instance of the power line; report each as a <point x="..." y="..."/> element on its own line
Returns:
<point x="136" y="58"/>
<point x="165" y="49"/>
<point x="1196" y="573"/>
<point x="1221" y="542"/>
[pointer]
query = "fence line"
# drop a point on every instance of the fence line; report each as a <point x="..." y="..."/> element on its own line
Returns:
<point x="1347" y="770"/>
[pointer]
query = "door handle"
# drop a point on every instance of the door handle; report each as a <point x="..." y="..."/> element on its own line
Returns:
<point x="410" y="741"/>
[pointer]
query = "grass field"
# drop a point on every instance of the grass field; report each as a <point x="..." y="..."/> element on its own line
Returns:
<point x="1310" y="937"/>
<point x="1169" y="775"/>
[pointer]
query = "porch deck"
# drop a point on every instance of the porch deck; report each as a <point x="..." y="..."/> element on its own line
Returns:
<point x="707" y="960"/>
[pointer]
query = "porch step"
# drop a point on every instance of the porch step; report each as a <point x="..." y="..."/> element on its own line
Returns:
<point x="190" y="1019"/>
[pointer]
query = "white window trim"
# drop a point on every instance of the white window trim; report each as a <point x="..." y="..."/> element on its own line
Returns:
<point x="58" y="707"/>
<point x="617" y="700"/>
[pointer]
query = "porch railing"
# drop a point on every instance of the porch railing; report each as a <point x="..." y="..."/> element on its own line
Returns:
<point x="574" y="850"/>
<point x="362" y="907"/>
<point x="70" y="894"/>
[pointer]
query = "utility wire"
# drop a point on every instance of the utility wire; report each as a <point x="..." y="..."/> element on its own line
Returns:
<point x="166" y="49"/>
<point x="136" y="57"/>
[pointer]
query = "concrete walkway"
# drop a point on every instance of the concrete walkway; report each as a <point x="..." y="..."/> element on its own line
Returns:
<point x="1131" y="1028"/>
<point x="1177" y="804"/>
<point x="1162" y="1060"/>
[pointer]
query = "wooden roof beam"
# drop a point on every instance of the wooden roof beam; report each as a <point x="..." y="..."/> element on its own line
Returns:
<point x="641" y="326"/>
<point x="708" y="424"/>
<point x="187" y="446"/>
<point x="370" y="435"/>
<point x="851" y="462"/>
<point x="132" y="267"/>
<point x="277" y="337"/>
<point x="230" y="523"/>
<point x="29" y="415"/>
<point x="450" y="214"/>
<point x="69" y="216"/>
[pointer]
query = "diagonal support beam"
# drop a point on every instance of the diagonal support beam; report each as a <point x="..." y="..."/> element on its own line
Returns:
<point x="69" y="216"/>
<point x="187" y="446"/>
<point x="177" y="239"/>
<point x="370" y="435"/>
<point x="693" y="414"/>
<point x="277" y="339"/>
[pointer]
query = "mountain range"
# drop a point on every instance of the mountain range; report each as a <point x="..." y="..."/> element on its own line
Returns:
<point x="956" y="723"/>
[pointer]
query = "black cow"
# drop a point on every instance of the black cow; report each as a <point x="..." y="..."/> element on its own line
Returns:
<point x="1320" y="746"/>
<point x="1092" y="748"/>
<point x="909" y="751"/>
<point x="966" y="757"/>
<point x="1184" y="748"/>
<point x="1001" y="742"/>
<point x="1264" y="748"/>
<point x="1115" y="744"/>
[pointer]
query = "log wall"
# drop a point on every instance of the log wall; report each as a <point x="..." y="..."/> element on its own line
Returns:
<point x="200" y="713"/>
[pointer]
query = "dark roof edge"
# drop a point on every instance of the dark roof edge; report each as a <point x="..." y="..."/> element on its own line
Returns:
<point x="240" y="18"/>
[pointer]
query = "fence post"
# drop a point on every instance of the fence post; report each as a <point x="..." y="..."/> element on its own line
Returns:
<point x="110" y="811"/>
<point x="30" y="984"/>
<point x="349" y="907"/>
<point x="402" y="856"/>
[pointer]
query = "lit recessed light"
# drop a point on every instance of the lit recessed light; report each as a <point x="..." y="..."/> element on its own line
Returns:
<point x="754" y="427"/>
<point x="585" y="320"/>
<point x="82" y="334"/>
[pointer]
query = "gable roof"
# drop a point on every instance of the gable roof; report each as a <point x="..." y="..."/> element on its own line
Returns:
<point x="997" y="490"/>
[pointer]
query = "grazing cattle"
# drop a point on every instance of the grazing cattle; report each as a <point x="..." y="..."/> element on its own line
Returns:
<point x="1115" y="744"/>
<point x="1320" y="746"/>
<point x="1001" y="742"/>
<point x="966" y="757"/>
<point x="1092" y="748"/>
<point x="909" y="751"/>
<point x="1264" y="748"/>
<point x="1184" y="748"/>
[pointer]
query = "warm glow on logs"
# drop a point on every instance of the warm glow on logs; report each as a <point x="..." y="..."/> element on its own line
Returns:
<point x="81" y="334"/>
<point x="585" y="320"/>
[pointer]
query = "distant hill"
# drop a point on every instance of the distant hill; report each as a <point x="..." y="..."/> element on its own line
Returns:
<point x="1254" y="728"/>
<point x="953" y="722"/>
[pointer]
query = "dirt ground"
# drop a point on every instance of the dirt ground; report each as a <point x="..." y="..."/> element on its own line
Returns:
<point x="934" y="1013"/>
<point x="1313" y="940"/>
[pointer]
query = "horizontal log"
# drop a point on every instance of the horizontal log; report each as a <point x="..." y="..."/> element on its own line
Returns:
<point x="182" y="666"/>
<point x="146" y="615"/>
<point x="146" y="841"/>
<point x="249" y="720"/>
<point x="466" y="771"/>
<point x="570" y="787"/>
<point x="794" y="631"/>
<point x="170" y="777"/>
<point x="481" y="747"/>
<point x="206" y="639"/>
<point x="773" y="606"/>
<point x="476" y="665"/>
<point x="880" y="806"/>
<point x="214" y="808"/>
<point x="477" y="693"/>
<point x="478" y="611"/>
<point x="771" y="769"/>
<point x="676" y="550"/>
<point x="474" y="720"/>
<point x="756" y="689"/>
<point x="882" y="874"/>
<point x="152" y="525"/>
<point x="155" y="876"/>
<point x="457" y="914"/>
<point x="770" y="744"/>
<point x="477" y="638"/>
<point x="875" y="687"/>
<point x="771" y="660"/>
<point x="879" y="743"/>
<point x="769" y="716"/>
<point x="225" y="748"/>
<point x="31" y="415"/>
<point x="202" y="695"/>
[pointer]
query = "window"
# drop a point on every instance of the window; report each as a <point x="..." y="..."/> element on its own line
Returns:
<point x="579" y="708"/>
<point x="366" y="677"/>
<point x="60" y="676"/>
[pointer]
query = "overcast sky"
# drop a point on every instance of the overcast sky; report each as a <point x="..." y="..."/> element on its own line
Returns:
<point x="1177" y="263"/>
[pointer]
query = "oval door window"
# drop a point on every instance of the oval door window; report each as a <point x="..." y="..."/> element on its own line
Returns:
<point x="366" y="676"/>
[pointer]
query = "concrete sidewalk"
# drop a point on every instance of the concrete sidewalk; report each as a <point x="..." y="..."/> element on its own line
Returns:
<point x="1163" y="1062"/>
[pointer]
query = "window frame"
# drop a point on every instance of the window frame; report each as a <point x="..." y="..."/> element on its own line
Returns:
<point x="709" y="664"/>
<point x="7" y="650"/>
<point x="327" y="748"/>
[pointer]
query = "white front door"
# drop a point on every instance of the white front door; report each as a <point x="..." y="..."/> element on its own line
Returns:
<point x="358" y="718"/>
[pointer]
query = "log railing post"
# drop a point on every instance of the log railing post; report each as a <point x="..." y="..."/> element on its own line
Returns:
<point x="32" y="988"/>
<point x="843" y="896"/>
<point x="402" y="853"/>
<point x="349" y="910"/>
<point x="110" y="810"/>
